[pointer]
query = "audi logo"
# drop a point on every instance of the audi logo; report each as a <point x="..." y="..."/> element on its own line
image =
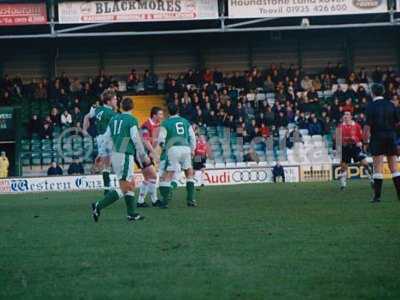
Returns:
<point x="250" y="176"/>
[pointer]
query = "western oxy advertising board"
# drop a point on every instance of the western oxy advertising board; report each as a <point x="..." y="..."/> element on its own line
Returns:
<point x="94" y="182"/>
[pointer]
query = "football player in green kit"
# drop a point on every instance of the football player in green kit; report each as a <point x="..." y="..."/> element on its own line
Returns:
<point x="178" y="140"/>
<point x="127" y="149"/>
<point x="103" y="115"/>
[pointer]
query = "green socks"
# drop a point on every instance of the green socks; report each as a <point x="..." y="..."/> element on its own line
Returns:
<point x="107" y="181"/>
<point x="109" y="199"/>
<point x="190" y="191"/>
<point x="130" y="204"/>
<point x="165" y="192"/>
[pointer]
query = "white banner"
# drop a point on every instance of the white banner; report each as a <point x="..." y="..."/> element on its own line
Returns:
<point x="136" y="11"/>
<point x="398" y="5"/>
<point x="298" y="8"/>
<point x="95" y="182"/>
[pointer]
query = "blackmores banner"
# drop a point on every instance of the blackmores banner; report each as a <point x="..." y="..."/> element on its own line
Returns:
<point x="137" y="11"/>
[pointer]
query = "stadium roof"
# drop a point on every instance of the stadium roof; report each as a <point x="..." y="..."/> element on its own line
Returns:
<point x="53" y="29"/>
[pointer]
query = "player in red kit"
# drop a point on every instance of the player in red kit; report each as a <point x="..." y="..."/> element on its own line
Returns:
<point x="150" y="130"/>
<point x="349" y="137"/>
<point x="199" y="161"/>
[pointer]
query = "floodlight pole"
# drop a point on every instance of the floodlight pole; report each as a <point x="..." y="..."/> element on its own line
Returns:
<point x="51" y="15"/>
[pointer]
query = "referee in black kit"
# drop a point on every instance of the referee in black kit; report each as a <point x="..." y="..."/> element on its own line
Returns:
<point x="382" y="119"/>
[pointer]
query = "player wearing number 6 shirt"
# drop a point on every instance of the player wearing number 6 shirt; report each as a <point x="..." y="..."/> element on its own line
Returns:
<point x="178" y="140"/>
<point x="123" y="133"/>
<point x="349" y="135"/>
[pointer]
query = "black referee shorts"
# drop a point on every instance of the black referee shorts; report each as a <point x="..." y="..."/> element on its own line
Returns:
<point x="383" y="146"/>
<point x="199" y="163"/>
<point x="352" y="153"/>
<point x="143" y="165"/>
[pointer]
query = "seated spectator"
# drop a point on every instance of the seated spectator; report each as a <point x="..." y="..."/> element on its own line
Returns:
<point x="47" y="131"/>
<point x="5" y="99"/>
<point x="264" y="131"/>
<point x="294" y="137"/>
<point x="315" y="127"/>
<point x="40" y="91"/>
<point x="278" y="172"/>
<point x="65" y="82"/>
<point x="54" y="170"/>
<point x="150" y="81"/>
<point x="76" y="87"/>
<point x="132" y="81"/>
<point x="34" y="125"/>
<point x="76" y="168"/>
<point x="54" y="118"/>
<point x="63" y="99"/>
<point x="306" y="83"/>
<point x="348" y="106"/>
<point x="66" y="119"/>
<point x="77" y="116"/>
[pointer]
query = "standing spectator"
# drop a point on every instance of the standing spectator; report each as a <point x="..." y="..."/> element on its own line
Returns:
<point x="54" y="170"/>
<point x="34" y="125"/>
<point x="278" y="172"/>
<point x="4" y="164"/>
<point x="76" y="167"/>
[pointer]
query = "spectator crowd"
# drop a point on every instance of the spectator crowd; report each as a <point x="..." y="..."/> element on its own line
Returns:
<point x="211" y="98"/>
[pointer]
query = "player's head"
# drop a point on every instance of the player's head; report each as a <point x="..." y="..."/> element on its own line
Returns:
<point x="127" y="104"/>
<point x="172" y="109"/>
<point x="347" y="117"/>
<point x="377" y="90"/>
<point x="156" y="114"/>
<point x="109" y="97"/>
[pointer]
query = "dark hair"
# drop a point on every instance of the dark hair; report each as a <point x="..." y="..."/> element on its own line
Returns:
<point x="377" y="90"/>
<point x="154" y="111"/>
<point x="127" y="104"/>
<point x="107" y="96"/>
<point x="172" y="109"/>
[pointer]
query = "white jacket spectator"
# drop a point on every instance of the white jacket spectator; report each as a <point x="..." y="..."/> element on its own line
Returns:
<point x="66" y="119"/>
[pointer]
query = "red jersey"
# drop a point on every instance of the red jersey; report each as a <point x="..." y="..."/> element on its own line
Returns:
<point x="350" y="133"/>
<point x="150" y="131"/>
<point x="201" y="148"/>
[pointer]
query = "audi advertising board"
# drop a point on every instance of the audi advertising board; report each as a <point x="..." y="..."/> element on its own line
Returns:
<point x="94" y="182"/>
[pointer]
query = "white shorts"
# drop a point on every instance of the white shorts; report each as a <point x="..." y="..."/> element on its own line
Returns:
<point x="122" y="165"/>
<point x="179" y="158"/>
<point x="104" y="146"/>
<point x="162" y="168"/>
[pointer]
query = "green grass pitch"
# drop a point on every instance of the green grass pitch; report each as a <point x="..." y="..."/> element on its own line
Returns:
<point x="283" y="241"/>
